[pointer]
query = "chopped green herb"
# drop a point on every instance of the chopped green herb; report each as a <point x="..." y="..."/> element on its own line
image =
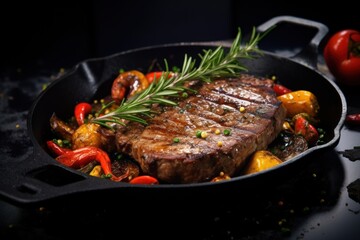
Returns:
<point x="285" y="230"/>
<point x="175" y="69"/>
<point x="107" y="176"/>
<point x="118" y="156"/>
<point x="227" y="132"/>
<point x="176" y="140"/>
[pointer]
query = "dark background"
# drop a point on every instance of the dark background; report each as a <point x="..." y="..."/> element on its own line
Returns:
<point x="37" y="39"/>
<point x="58" y="34"/>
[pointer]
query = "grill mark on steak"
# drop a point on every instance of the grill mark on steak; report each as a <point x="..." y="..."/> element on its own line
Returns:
<point x="239" y="90"/>
<point x="216" y="106"/>
<point x="230" y="117"/>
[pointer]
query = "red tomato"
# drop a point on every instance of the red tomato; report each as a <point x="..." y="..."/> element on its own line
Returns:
<point x="342" y="56"/>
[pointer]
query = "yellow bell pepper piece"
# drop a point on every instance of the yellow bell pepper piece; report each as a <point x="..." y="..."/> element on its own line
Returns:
<point x="96" y="171"/>
<point x="261" y="160"/>
<point x="300" y="101"/>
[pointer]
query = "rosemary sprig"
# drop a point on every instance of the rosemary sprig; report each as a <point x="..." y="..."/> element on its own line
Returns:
<point x="214" y="63"/>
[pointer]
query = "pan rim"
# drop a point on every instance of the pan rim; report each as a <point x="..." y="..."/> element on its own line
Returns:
<point x="226" y="44"/>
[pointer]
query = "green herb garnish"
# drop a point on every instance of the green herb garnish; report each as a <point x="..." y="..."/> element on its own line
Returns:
<point x="227" y="132"/>
<point x="214" y="63"/>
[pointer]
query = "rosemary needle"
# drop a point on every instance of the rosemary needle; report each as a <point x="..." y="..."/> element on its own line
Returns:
<point x="213" y="63"/>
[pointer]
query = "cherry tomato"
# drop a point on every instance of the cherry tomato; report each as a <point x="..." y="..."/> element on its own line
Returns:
<point x="342" y="56"/>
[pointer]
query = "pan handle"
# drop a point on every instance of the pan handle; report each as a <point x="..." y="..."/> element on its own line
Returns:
<point x="309" y="54"/>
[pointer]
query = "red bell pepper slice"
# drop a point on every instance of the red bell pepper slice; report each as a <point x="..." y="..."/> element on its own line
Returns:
<point x="56" y="148"/>
<point x="81" y="110"/>
<point x="280" y="89"/>
<point x="144" y="179"/>
<point x="308" y="131"/>
<point x="80" y="157"/>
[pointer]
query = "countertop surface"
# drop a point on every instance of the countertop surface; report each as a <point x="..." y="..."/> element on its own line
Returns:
<point x="319" y="202"/>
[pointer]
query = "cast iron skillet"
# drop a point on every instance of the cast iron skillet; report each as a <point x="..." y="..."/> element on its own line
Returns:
<point x="40" y="178"/>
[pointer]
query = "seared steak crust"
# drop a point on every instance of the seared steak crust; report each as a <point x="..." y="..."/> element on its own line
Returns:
<point x="216" y="106"/>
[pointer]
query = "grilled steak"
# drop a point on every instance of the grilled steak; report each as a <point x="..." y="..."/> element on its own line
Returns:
<point x="217" y="106"/>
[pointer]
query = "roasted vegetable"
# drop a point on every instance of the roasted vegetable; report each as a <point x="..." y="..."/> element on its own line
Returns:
<point x="288" y="145"/>
<point x="144" y="179"/>
<point x="313" y="121"/>
<point x="80" y="157"/>
<point x="280" y="89"/>
<point x="127" y="84"/>
<point x="96" y="171"/>
<point x="308" y="131"/>
<point x="261" y="160"/>
<point x="80" y="111"/>
<point x="300" y="101"/>
<point x="87" y="135"/>
<point x="56" y="149"/>
<point x="61" y="128"/>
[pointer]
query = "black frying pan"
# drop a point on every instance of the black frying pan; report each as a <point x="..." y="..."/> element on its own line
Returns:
<point x="41" y="179"/>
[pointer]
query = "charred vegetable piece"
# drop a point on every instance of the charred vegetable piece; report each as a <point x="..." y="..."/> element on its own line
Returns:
<point x="60" y="128"/>
<point x="313" y="121"/>
<point x="261" y="160"/>
<point x="91" y="134"/>
<point x="89" y="167"/>
<point x="308" y="131"/>
<point x="300" y="101"/>
<point x="128" y="84"/>
<point x="80" y="157"/>
<point x="288" y="145"/>
<point x="122" y="166"/>
<point x="87" y="135"/>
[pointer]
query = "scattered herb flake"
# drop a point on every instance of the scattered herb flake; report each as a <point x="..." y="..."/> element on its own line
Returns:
<point x="227" y="132"/>
<point x="352" y="154"/>
<point x="354" y="190"/>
